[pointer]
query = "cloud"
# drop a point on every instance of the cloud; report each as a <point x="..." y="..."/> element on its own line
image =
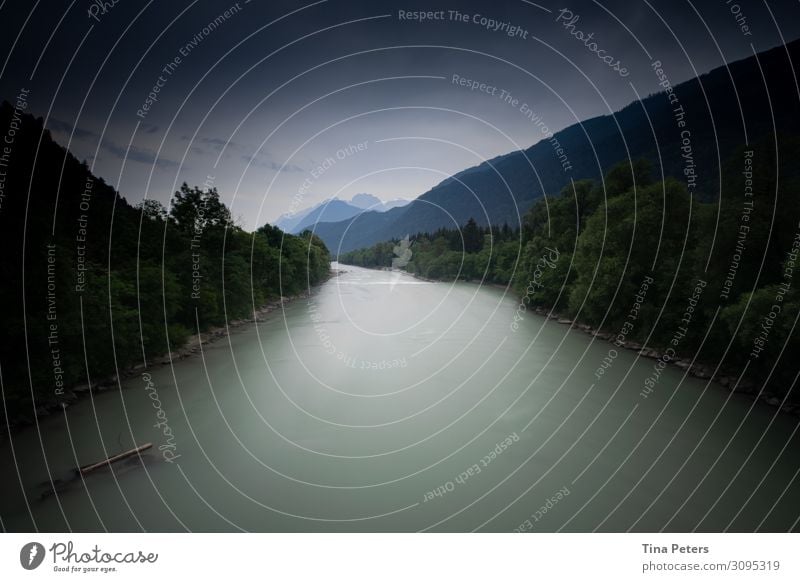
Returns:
<point x="58" y="126"/>
<point x="217" y="144"/>
<point x="260" y="160"/>
<point x="137" y="154"/>
<point x="271" y="165"/>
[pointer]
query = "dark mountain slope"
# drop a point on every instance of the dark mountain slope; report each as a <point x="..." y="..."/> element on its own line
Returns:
<point x="713" y="118"/>
<point x="330" y="211"/>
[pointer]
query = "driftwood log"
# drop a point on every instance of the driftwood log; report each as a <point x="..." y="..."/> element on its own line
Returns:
<point x="89" y="468"/>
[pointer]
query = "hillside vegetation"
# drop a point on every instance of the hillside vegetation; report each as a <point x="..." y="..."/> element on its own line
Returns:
<point x="644" y="261"/>
<point x="93" y="285"/>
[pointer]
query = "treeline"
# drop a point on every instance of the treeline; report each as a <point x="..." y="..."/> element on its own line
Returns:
<point x="471" y="253"/>
<point x="94" y="285"/>
<point x="653" y="264"/>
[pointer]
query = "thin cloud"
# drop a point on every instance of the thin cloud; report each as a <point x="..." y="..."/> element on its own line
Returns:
<point x="271" y="165"/>
<point x="137" y="154"/>
<point x="217" y="144"/>
<point x="64" y="127"/>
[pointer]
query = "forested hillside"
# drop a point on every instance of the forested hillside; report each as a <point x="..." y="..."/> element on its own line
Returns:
<point x="93" y="285"/>
<point x="713" y="280"/>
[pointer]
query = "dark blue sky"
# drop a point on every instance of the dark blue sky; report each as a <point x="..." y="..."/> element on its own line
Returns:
<point x="273" y="98"/>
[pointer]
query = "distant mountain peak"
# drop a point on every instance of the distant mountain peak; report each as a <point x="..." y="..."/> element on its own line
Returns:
<point x="366" y="201"/>
<point x="334" y="210"/>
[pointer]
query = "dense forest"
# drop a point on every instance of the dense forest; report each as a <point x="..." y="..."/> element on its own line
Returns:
<point x="711" y="279"/>
<point x="472" y="253"/>
<point x="93" y="285"/>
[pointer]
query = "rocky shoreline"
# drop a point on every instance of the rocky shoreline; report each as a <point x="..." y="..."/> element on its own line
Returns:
<point x="190" y="348"/>
<point x="699" y="370"/>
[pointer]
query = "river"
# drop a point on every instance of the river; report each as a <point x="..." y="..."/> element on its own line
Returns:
<point x="386" y="403"/>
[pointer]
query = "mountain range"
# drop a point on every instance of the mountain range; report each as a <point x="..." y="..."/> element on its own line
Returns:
<point x="686" y="131"/>
<point x="333" y="210"/>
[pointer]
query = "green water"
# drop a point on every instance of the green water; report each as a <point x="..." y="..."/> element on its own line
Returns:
<point x="385" y="403"/>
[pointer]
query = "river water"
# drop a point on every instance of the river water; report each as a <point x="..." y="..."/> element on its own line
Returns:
<point x="386" y="403"/>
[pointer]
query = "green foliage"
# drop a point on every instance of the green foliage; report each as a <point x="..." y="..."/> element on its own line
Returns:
<point x="769" y="314"/>
<point x="586" y="253"/>
<point x="472" y="253"/>
<point x="657" y="230"/>
<point x="123" y="294"/>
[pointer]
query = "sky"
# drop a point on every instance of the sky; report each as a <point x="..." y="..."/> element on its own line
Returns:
<point x="283" y="104"/>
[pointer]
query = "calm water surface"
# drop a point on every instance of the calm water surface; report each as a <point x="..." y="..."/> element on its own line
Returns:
<point x="385" y="403"/>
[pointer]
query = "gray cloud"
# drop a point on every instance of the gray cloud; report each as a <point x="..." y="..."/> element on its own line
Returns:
<point x="271" y="165"/>
<point x="64" y="127"/>
<point x="138" y="154"/>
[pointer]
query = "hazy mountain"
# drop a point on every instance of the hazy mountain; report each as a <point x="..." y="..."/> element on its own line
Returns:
<point x="717" y="108"/>
<point x="395" y="203"/>
<point x="329" y="211"/>
<point x="366" y="201"/>
<point x="370" y="202"/>
<point x="287" y="222"/>
<point x="334" y="210"/>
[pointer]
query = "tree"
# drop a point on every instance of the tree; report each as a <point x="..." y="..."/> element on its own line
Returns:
<point x="473" y="237"/>
<point x="194" y="209"/>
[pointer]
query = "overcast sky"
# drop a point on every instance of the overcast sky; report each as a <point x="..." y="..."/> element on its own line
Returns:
<point x="274" y="99"/>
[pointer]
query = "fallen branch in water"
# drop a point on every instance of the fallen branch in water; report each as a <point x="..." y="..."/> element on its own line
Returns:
<point x="89" y="468"/>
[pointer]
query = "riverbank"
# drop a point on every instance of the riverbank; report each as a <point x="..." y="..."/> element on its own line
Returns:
<point x="703" y="371"/>
<point x="190" y="348"/>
